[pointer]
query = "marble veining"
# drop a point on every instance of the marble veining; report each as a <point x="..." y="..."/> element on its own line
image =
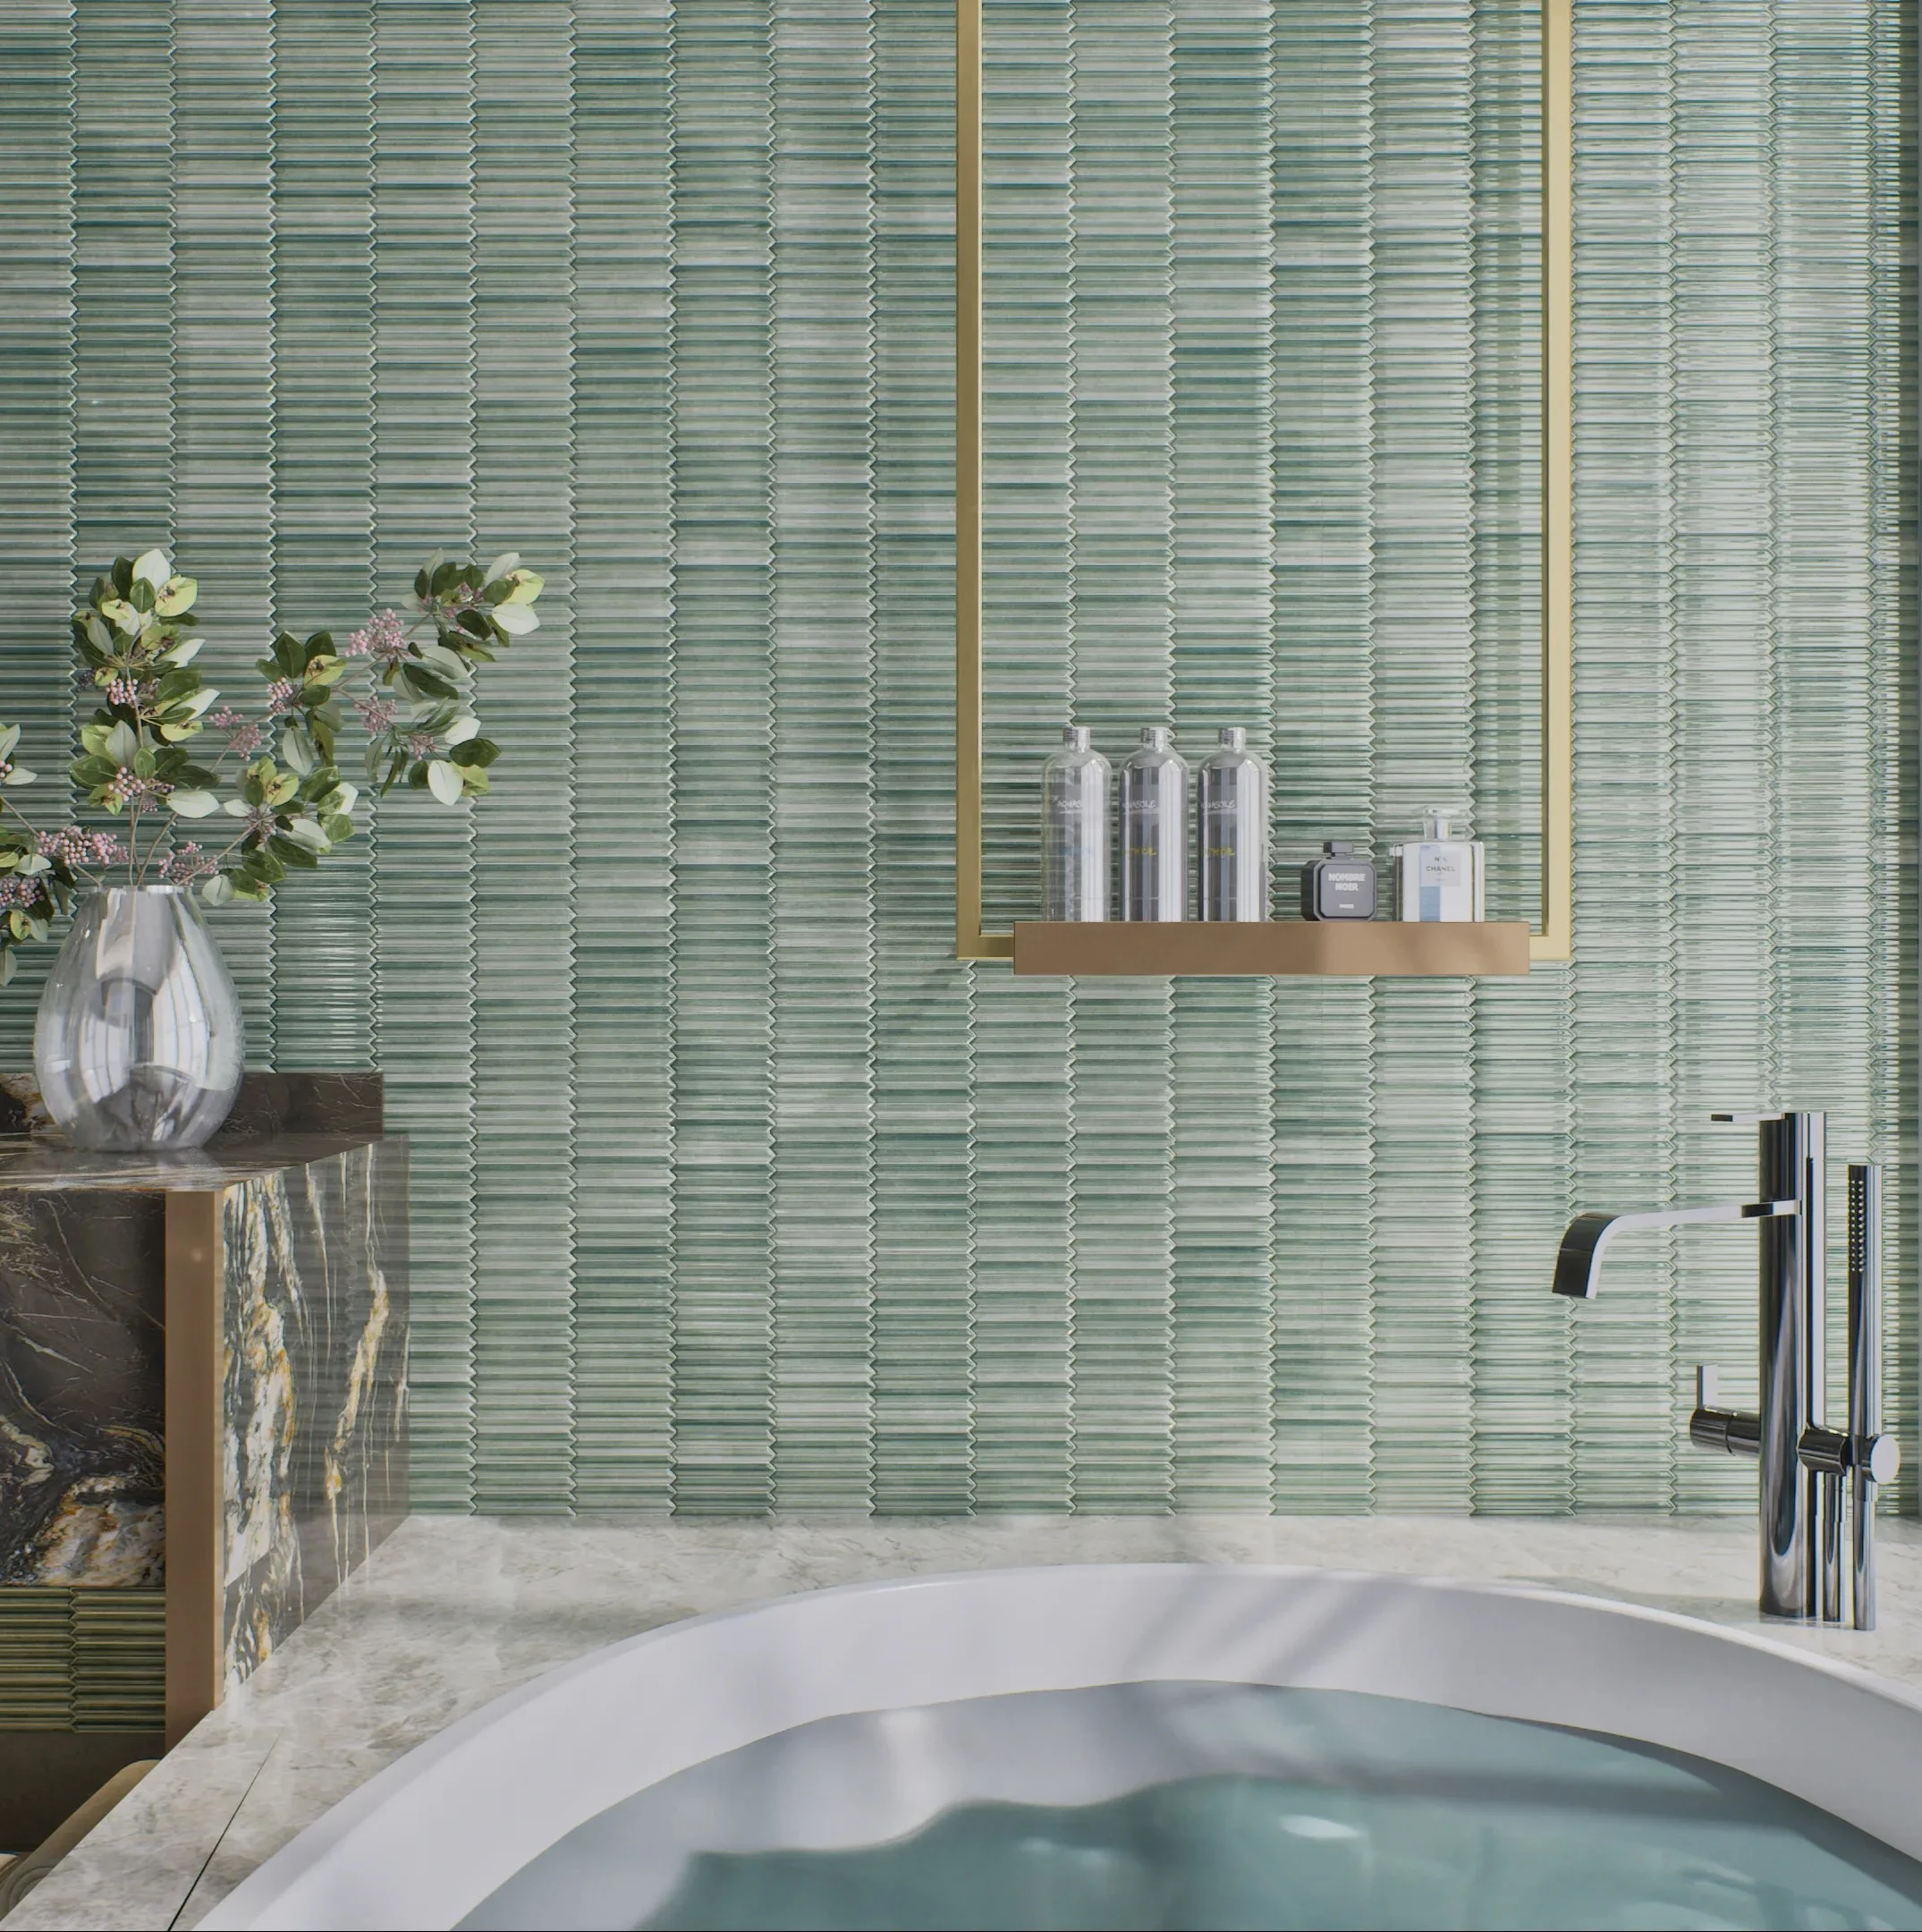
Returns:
<point x="314" y="1394"/>
<point x="81" y="1343"/>
<point x="451" y="1612"/>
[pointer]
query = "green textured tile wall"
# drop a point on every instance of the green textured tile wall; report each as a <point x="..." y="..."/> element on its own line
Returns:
<point x="732" y="1191"/>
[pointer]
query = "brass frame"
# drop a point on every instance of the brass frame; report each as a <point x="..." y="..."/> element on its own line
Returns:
<point x="1553" y="942"/>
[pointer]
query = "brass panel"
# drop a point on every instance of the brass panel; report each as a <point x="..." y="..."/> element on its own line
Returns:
<point x="193" y="1460"/>
<point x="1294" y="946"/>
<point x="1553" y="941"/>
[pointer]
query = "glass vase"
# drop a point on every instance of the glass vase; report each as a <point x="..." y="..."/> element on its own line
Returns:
<point x="138" y="1042"/>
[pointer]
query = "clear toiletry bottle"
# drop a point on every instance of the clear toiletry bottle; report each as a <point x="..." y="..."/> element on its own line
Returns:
<point x="1154" y="815"/>
<point x="1232" y="832"/>
<point x="1438" y="876"/>
<point x="1074" y="829"/>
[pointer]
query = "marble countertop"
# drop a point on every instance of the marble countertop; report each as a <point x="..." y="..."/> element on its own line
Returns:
<point x="44" y="1165"/>
<point x="452" y="1610"/>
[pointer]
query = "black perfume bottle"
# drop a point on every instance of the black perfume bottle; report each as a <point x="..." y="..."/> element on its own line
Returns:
<point x="1339" y="886"/>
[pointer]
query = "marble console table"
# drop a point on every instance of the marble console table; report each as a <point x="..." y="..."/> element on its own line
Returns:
<point x="203" y="1370"/>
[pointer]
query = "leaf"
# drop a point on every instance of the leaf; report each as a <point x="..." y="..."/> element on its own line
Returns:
<point x="528" y="585"/>
<point x="444" y="660"/>
<point x="516" y="619"/>
<point x="337" y="828"/>
<point x="291" y="851"/>
<point x="218" y="890"/>
<point x="425" y="682"/>
<point x="308" y="832"/>
<point x="184" y="652"/>
<point x="9" y="965"/>
<point x="475" y="754"/>
<point x="460" y="729"/>
<point x="151" y="566"/>
<point x="19" y="774"/>
<point x="192" y="804"/>
<point x="9" y="738"/>
<point x="176" y="596"/>
<point x="121" y="743"/>
<point x="236" y="807"/>
<point x="295" y="748"/>
<point x="122" y="615"/>
<point x="444" y="781"/>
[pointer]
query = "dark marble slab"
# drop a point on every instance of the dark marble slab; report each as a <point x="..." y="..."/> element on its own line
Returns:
<point x="314" y="1392"/>
<point x="82" y="1336"/>
<point x="311" y="1297"/>
<point x="267" y="1105"/>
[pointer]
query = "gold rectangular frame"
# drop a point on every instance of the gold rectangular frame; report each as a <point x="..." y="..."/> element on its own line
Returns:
<point x="1552" y="943"/>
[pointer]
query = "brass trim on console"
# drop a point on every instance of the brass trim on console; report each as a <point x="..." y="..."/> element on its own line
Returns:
<point x="194" y="1487"/>
<point x="1553" y="941"/>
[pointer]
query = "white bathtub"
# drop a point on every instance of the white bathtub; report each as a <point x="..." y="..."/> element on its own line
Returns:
<point x="434" y="1835"/>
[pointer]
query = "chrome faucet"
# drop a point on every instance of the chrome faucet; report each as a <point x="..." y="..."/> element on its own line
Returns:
<point x="1803" y="1461"/>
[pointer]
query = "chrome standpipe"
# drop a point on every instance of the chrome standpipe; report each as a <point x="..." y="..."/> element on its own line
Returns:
<point x="1802" y="1462"/>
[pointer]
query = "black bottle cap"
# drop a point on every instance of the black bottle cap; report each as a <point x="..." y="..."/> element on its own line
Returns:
<point x="1337" y="847"/>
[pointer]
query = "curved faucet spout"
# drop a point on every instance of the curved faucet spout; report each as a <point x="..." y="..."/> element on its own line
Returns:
<point x="1579" y="1261"/>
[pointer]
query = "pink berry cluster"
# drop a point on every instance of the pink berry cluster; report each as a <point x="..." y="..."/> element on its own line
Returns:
<point x="186" y="863"/>
<point x="74" y="847"/>
<point x="383" y="639"/>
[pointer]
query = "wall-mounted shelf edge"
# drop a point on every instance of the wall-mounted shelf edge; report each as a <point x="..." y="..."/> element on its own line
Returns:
<point x="1371" y="948"/>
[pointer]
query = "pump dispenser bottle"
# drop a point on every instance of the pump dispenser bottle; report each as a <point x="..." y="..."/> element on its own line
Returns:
<point x="1232" y="832"/>
<point x="1154" y="815"/>
<point x="1074" y="829"/>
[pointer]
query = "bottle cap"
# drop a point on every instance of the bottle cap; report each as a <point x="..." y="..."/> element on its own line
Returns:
<point x="1233" y="737"/>
<point x="1077" y="738"/>
<point x="1434" y="820"/>
<point x="1337" y="847"/>
<point x="1154" y="736"/>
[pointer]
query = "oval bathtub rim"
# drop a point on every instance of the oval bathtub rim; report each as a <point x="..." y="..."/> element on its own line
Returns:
<point x="262" y="1898"/>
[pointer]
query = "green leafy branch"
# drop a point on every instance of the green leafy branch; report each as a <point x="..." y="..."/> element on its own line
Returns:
<point x="276" y="775"/>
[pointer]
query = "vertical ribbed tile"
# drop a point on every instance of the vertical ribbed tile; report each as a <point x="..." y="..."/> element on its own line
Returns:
<point x="623" y="1130"/>
<point x="424" y="271"/>
<point x="924" y="1074"/>
<point x="1423" y="572"/>
<point x="1892" y="707"/>
<point x="721" y="617"/>
<point x="1020" y="1074"/>
<point x="39" y="162"/>
<point x="1222" y="429"/>
<point x="1624" y="978"/>
<point x="1322" y="462"/>
<point x="223" y="389"/>
<point x="524" y="994"/>
<point x="323" y="291"/>
<point x="822" y="802"/>
<point x="731" y="1188"/>
<point x="1523" y="1196"/>
<point x="1121" y="561"/>
<point x="1028" y="684"/>
<point x="1823" y="749"/>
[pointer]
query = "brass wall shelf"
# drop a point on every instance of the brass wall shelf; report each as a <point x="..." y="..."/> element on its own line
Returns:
<point x="1551" y="940"/>
<point x="1292" y="947"/>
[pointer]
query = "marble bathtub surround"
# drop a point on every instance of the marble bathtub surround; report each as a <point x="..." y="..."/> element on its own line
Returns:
<point x="452" y="1612"/>
<point x="203" y="1379"/>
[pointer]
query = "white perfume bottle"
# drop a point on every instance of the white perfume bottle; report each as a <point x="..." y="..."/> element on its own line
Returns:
<point x="1438" y="878"/>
